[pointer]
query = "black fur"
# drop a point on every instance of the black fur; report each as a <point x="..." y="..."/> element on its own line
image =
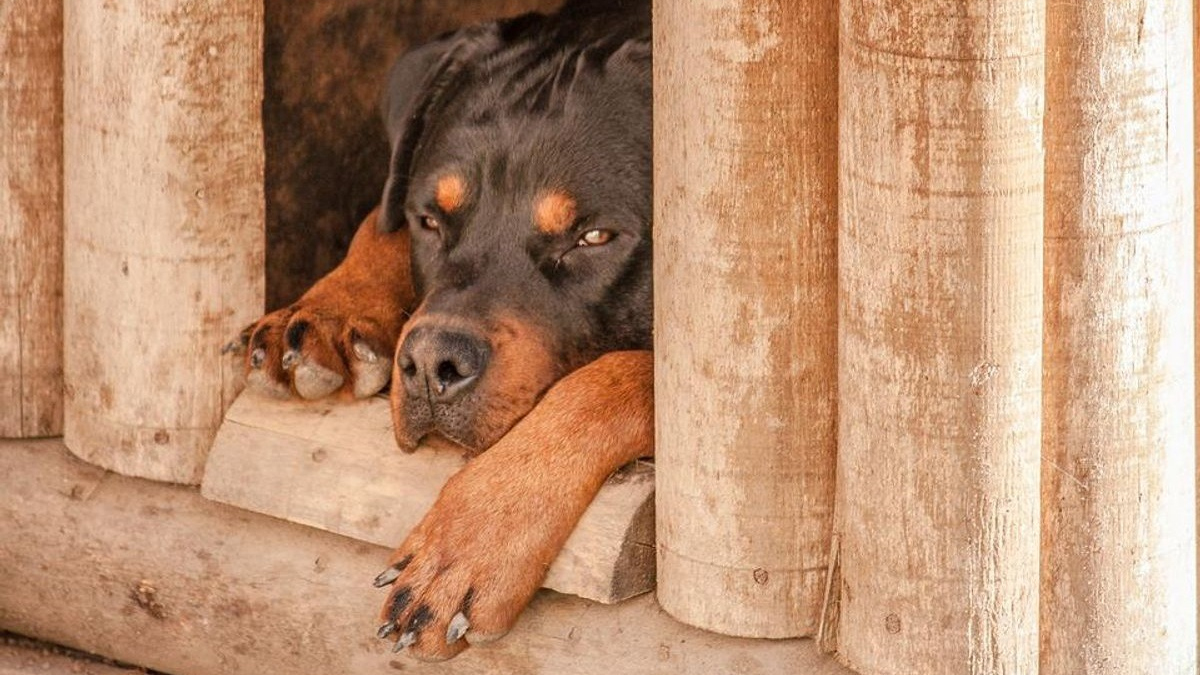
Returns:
<point x="519" y="107"/>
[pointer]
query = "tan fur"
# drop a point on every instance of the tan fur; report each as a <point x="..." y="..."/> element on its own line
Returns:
<point x="500" y="522"/>
<point x="554" y="212"/>
<point x="368" y="294"/>
<point x="451" y="192"/>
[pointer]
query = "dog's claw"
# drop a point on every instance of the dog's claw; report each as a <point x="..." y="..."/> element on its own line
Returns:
<point x="405" y="640"/>
<point x="290" y="359"/>
<point x="235" y="346"/>
<point x="458" y="627"/>
<point x="257" y="358"/>
<point x="387" y="577"/>
<point x="386" y="630"/>
<point x="364" y="352"/>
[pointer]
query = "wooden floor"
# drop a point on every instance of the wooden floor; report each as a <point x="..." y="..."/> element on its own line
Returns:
<point x="157" y="575"/>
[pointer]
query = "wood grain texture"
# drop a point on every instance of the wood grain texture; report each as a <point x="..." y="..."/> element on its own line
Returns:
<point x="745" y="310"/>
<point x="31" y="387"/>
<point x="336" y="467"/>
<point x="159" y="576"/>
<point x="1118" y="500"/>
<point x="940" y="258"/>
<point x="164" y="226"/>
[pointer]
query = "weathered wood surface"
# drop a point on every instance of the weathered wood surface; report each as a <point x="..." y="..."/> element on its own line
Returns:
<point x="746" y="310"/>
<point x="157" y="575"/>
<point x="31" y="387"/>
<point x="21" y="656"/>
<point x="940" y="257"/>
<point x="1118" y="484"/>
<point x="163" y="225"/>
<point x="335" y="466"/>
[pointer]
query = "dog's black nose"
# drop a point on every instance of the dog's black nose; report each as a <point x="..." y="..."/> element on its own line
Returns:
<point x="441" y="365"/>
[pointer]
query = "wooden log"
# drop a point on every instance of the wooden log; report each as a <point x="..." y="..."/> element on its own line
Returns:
<point x="745" y="309"/>
<point x="1118" y="499"/>
<point x="940" y="264"/>
<point x="156" y="575"/>
<point x="22" y="656"/>
<point x="31" y="388"/>
<point x="164" y="225"/>
<point x="336" y="467"/>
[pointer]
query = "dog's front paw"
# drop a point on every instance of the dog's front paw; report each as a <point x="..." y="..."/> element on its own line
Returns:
<point x="468" y="569"/>
<point x="318" y="347"/>
<point x="339" y="337"/>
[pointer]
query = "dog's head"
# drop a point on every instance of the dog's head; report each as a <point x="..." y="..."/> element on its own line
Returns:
<point x="521" y="160"/>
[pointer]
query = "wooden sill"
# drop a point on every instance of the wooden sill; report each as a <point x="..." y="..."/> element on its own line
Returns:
<point x="335" y="466"/>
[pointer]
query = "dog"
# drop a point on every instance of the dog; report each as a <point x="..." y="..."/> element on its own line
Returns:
<point x="503" y="288"/>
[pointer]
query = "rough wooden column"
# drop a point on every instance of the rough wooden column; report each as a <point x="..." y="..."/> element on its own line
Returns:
<point x="1196" y="209"/>
<point x="1118" y="501"/>
<point x="31" y="389"/>
<point x="164" y="225"/>
<point x="745" y="272"/>
<point x="940" y="265"/>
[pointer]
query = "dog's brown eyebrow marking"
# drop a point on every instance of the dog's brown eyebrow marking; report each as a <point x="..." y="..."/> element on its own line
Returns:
<point x="554" y="212"/>
<point x="451" y="192"/>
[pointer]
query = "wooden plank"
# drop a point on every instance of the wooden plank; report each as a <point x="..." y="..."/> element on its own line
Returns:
<point x="1118" y="588"/>
<point x="940" y="257"/>
<point x="31" y="387"/>
<point x="746" y="305"/>
<point x="156" y="575"/>
<point x="335" y="466"/>
<point x="163" y="196"/>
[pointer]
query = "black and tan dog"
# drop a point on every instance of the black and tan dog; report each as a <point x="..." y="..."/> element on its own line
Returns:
<point x="504" y="285"/>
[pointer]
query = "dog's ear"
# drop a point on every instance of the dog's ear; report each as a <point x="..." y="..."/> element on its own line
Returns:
<point x="417" y="86"/>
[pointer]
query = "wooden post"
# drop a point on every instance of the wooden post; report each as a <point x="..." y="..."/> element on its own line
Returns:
<point x="164" y="225"/>
<point x="31" y="389"/>
<point x="1118" y="500"/>
<point x="940" y="265"/>
<point x="745" y="309"/>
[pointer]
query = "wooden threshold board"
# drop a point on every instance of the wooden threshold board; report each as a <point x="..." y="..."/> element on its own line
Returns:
<point x="335" y="466"/>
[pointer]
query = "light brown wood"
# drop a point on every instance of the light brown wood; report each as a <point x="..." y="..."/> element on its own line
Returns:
<point x="31" y="387"/>
<point x="940" y="258"/>
<point x="745" y="310"/>
<point x="164" y="225"/>
<point x="1118" y="500"/>
<point x="157" y="575"/>
<point x="335" y="466"/>
<point x="21" y="656"/>
<point x="1196" y="291"/>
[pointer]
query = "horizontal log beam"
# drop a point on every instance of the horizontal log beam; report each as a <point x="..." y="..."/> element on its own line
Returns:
<point x="156" y="574"/>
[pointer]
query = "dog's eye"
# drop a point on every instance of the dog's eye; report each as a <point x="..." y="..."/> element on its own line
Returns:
<point x="595" y="238"/>
<point x="430" y="223"/>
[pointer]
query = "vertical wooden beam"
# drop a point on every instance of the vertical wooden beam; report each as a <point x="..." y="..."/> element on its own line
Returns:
<point x="1118" y="501"/>
<point x="31" y="389"/>
<point x="1196" y="243"/>
<point x="745" y="309"/>
<point x="164" y="225"/>
<point x="940" y="265"/>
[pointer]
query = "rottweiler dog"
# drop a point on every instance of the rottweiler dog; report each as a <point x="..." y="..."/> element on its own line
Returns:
<point x="504" y="287"/>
